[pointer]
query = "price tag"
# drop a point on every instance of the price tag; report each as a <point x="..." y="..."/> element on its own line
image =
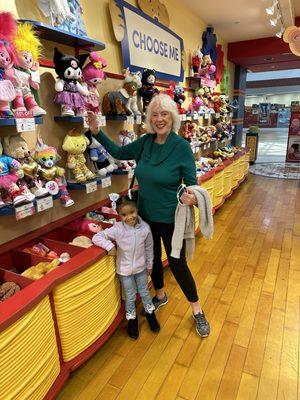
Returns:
<point x="130" y="119"/>
<point x="24" y="211"/>
<point x="188" y="118"/>
<point x="205" y="116"/>
<point x="44" y="203"/>
<point x="130" y="174"/>
<point x="25" y="124"/>
<point x="91" y="187"/>
<point x="138" y="119"/>
<point x="195" y="116"/>
<point x="183" y="117"/>
<point x="204" y="147"/>
<point x="85" y="123"/>
<point x="106" y="182"/>
<point x="35" y="76"/>
<point x="102" y="120"/>
<point x="208" y="145"/>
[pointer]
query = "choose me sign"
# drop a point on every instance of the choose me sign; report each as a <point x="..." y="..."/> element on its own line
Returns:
<point x="146" y="43"/>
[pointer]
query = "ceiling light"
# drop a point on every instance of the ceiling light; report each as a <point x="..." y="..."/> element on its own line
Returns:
<point x="271" y="10"/>
<point x="274" y="21"/>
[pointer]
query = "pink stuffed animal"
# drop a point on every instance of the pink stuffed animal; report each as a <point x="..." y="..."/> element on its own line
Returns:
<point x="92" y="75"/>
<point x="8" y="27"/>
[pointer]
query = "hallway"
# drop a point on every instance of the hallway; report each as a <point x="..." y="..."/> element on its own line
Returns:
<point x="248" y="278"/>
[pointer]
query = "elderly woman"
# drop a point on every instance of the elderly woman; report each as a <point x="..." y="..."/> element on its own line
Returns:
<point x="165" y="160"/>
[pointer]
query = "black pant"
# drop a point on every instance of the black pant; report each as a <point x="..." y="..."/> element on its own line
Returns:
<point x="178" y="266"/>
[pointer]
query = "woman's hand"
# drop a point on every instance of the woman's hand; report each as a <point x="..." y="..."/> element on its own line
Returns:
<point x="188" y="198"/>
<point x="93" y="122"/>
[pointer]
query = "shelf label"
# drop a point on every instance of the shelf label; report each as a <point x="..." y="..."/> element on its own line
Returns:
<point x="183" y="116"/>
<point x="44" y="203"/>
<point x="91" y="187"/>
<point x="205" y="116"/>
<point x="25" y="124"/>
<point x="195" y="116"/>
<point x="138" y="119"/>
<point x="106" y="182"/>
<point x="102" y="120"/>
<point x="204" y="147"/>
<point x="130" y="119"/>
<point x="24" y="211"/>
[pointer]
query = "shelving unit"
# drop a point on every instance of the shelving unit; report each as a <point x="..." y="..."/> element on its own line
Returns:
<point x="72" y="185"/>
<point x="12" y="121"/>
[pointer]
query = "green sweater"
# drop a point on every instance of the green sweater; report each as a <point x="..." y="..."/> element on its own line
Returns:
<point x="160" y="170"/>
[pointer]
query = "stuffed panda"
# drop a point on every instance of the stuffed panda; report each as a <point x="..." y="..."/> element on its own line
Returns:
<point x="147" y="91"/>
<point x="70" y="93"/>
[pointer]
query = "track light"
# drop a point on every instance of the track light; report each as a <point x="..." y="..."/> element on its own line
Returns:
<point x="274" y="21"/>
<point x="280" y="33"/>
<point x="271" y="10"/>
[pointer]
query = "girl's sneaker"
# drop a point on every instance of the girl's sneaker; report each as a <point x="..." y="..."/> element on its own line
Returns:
<point x="133" y="328"/>
<point x="202" y="325"/>
<point x="152" y="322"/>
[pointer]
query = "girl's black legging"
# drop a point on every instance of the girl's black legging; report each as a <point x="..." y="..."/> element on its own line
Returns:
<point x="178" y="267"/>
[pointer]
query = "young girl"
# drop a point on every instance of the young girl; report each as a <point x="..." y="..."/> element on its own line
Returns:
<point x="134" y="261"/>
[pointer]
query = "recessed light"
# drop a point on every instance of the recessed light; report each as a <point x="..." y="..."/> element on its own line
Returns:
<point x="269" y="59"/>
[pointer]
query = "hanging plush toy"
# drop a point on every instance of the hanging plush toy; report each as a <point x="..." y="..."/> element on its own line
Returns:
<point x="28" y="49"/>
<point x="70" y="92"/>
<point x="103" y="162"/>
<point x="93" y="75"/>
<point x="8" y="27"/>
<point x="135" y="77"/>
<point x="179" y="98"/>
<point x="17" y="148"/>
<point x="196" y="62"/>
<point x="47" y="158"/>
<point x="75" y="144"/>
<point x="207" y="69"/>
<point x="147" y="91"/>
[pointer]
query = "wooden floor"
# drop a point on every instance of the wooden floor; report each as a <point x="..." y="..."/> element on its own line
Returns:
<point x="248" y="279"/>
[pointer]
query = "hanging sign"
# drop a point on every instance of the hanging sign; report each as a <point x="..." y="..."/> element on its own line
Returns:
<point x="146" y="43"/>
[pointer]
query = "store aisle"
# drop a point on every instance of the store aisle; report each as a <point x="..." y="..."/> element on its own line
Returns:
<point x="249" y="281"/>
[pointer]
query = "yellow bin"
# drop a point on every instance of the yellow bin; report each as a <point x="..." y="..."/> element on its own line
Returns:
<point x="218" y="187"/>
<point x="228" y="176"/>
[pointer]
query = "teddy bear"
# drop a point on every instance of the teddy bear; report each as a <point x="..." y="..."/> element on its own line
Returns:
<point x="104" y="163"/>
<point x="70" y="92"/>
<point x="75" y="143"/>
<point x="147" y="91"/>
<point x="17" y="148"/>
<point x="207" y="67"/>
<point x="47" y="158"/>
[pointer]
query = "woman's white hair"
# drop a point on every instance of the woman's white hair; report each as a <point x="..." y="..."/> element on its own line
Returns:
<point x="165" y="102"/>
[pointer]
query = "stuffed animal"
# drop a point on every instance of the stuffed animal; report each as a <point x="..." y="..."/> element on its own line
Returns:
<point x="103" y="162"/>
<point x="89" y="226"/>
<point x="47" y="158"/>
<point x="75" y="144"/>
<point x="196" y="105"/>
<point x="207" y="67"/>
<point x="7" y="290"/>
<point x="196" y="61"/>
<point x="8" y="27"/>
<point x="26" y="76"/>
<point x="179" y="98"/>
<point x="147" y="91"/>
<point x="17" y="148"/>
<point x="132" y="101"/>
<point x="116" y="103"/>
<point x="58" y="10"/>
<point x="70" y="93"/>
<point x="126" y="137"/>
<point x="10" y="173"/>
<point x="93" y="75"/>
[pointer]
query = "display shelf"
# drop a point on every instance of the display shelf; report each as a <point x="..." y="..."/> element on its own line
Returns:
<point x="48" y="32"/>
<point x="122" y="172"/>
<point x="12" y="121"/>
<point x="10" y="209"/>
<point x="75" y="119"/>
<point x="72" y="185"/>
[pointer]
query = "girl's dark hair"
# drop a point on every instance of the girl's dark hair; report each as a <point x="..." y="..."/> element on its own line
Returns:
<point x="125" y="201"/>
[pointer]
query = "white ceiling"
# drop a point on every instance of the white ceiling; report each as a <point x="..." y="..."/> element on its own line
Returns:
<point x="237" y="20"/>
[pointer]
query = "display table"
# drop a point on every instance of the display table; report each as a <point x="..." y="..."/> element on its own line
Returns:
<point x="56" y="323"/>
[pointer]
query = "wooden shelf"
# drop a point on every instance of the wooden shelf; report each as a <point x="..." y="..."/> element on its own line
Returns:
<point x="12" y="121"/>
<point x="66" y="118"/>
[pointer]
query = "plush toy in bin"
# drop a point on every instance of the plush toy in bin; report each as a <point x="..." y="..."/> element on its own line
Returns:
<point x="47" y="159"/>
<point x="93" y="75"/>
<point x="8" y="27"/>
<point x="26" y="78"/>
<point x="103" y="162"/>
<point x="147" y="91"/>
<point x="38" y="271"/>
<point x="7" y="290"/>
<point x="116" y="102"/>
<point x="75" y="143"/>
<point x="70" y="92"/>
<point x="16" y="147"/>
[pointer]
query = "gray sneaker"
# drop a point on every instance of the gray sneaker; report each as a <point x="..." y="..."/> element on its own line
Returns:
<point x="159" y="302"/>
<point x="202" y="325"/>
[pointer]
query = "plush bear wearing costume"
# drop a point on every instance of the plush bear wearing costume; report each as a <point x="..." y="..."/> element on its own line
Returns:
<point x="47" y="158"/>
<point x="8" y="27"/>
<point x="70" y="92"/>
<point x="75" y="144"/>
<point x="147" y="91"/>
<point x="103" y="162"/>
<point x="132" y="101"/>
<point x="179" y="98"/>
<point x="26" y="77"/>
<point x="17" y="148"/>
<point x="93" y="75"/>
